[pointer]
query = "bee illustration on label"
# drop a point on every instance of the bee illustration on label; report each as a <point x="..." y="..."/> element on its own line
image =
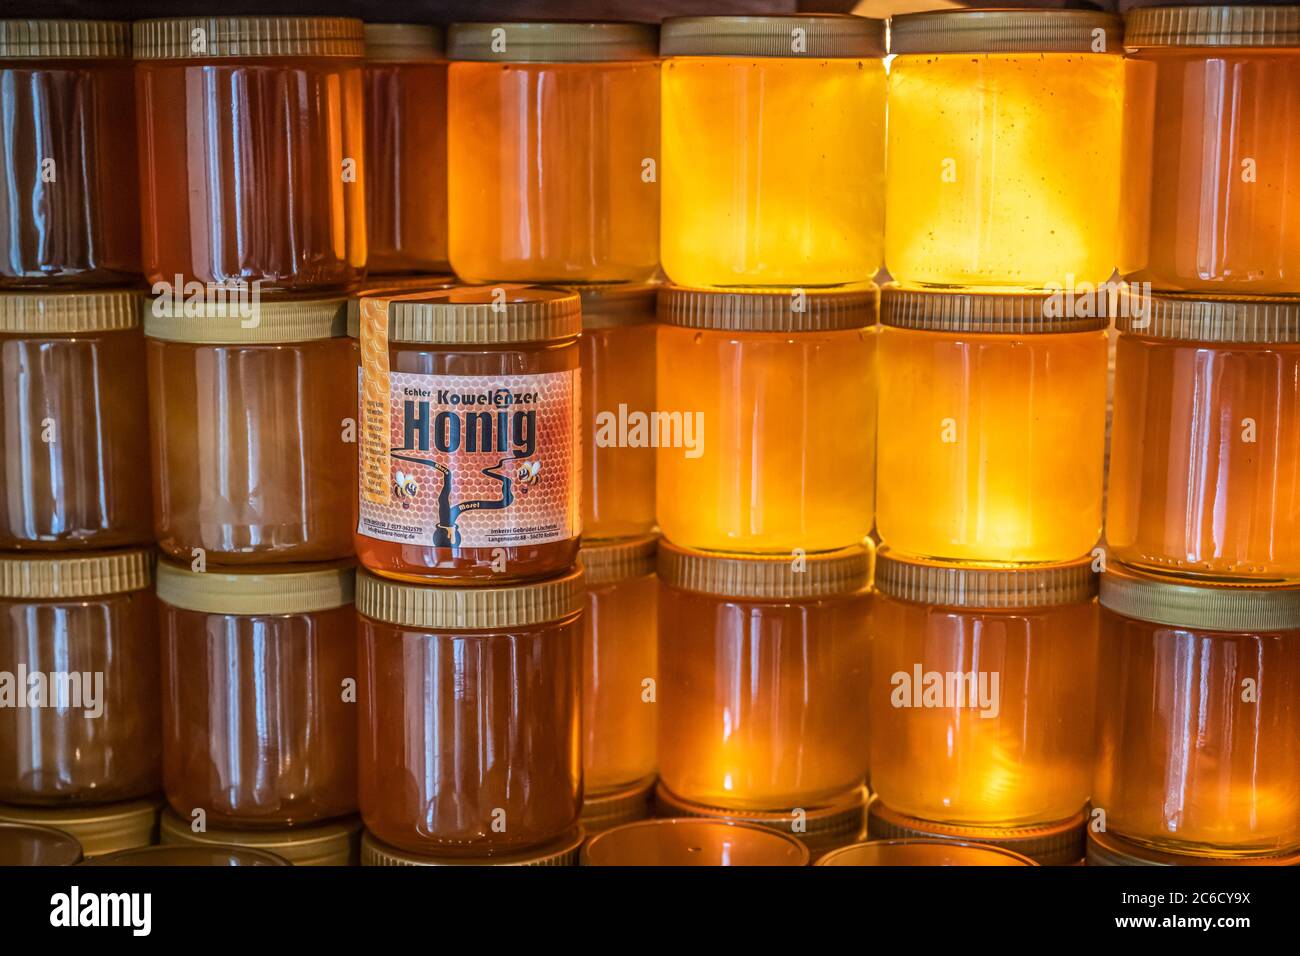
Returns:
<point x="527" y="476"/>
<point x="405" y="488"/>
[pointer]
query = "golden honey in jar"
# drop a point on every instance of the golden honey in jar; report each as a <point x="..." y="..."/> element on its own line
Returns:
<point x="766" y="418"/>
<point x="79" y="682"/>
<point x="68" y="193"/>
<point x="470" y="716"/>
<point x="470" y="434"/>
<point x="763" y="666"/>
<point x="553" y="151"/>
<point x="991" y="438"/>
<point x="748" y="199"/>
<point x="1197" y="722"/>
<point x="258" y="689"/>
<point x="1224" y="184"/>
<point x="252" y="423"/>
<point x="252" y="165"/>
<point x="1205" y="438"/>
<point x="73" y="431"/>
<point x="618" y="393"/>
<point x="1005" y="147"/>
<point x="983" y="683"/>
<point x="406" y="148"/>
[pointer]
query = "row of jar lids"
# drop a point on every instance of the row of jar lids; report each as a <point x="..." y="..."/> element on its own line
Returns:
<point x="435" y="310"/>
<point x="300" y="589"/>
<point x="806" y="35"/>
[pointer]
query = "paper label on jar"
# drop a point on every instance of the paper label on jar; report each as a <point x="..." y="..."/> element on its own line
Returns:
<point x="474" y="461"/>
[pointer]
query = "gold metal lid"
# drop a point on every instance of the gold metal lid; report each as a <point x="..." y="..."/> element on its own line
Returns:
<point x="992" y="588"/>
<point x="177" y="855"/>
<point x="557" y="42"/>
<point x="691" y="841"/>
<point x="561" y="852"/>
<point x="1051" y="844"/>
<point x="1106" y="849"/>
<point x="101" y="828"/>
<point x="821" y="36"/>
<point x="762" y="577"/>
<point x="1208" y="607"/>
<point x="1258" y="320"/>
<point x="64" y="39"/>
<point x="617" y="304"/>
<point x="403" y="42"/>
<point x="769" y="310"/>
<point x="619" y="559"/>
<point x="60" y="313"/>
<point x="337" y="843"/>
<point x="600" y="811"/>
<point x="1000" y="313"/>
<point x="1213" y="26"/>
<point x="27" y="844"/>
<point x="393" y="285"/>
<point x="292" y="589"/>
<point x="470" y="609"/>
<point x="1007" y="31"/>
<point x="917" y="852"/>
<point x="842" y="819"/>
<point x="204" y="38"/>
<point x="482" y="315"/>
<point x="236" y="322"/>
<point x="29" y="577"/>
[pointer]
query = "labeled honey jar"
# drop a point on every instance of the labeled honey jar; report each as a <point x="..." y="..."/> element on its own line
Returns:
<point x="252" y="164"/>
<point x="470" y="434"/>
<point x="79" y="682"/>
<point x="762" y="668"/>
<point x="617" y="350"/>
<point x="773" y="150"/>
<point x="1005" y="147"/>
<point x="1197" y="720"/>
<point x="692" y="842"/>
<point x="253" y="431"/>
<point x="68" y="192"/>
<point x="23" y="844"/>
<point x="1224" y="184"/>
<point x="406" y="148"/>
<point x="470" y="720"/>
<point x="991" y="437"/>
<point x="74" y="434"/>
<point x="765" y="426"/>
<point x="337" y="843"/>
<point x="259" y="695"/>
<point x="553" y="152"/>
<point x="1205" y="438"/>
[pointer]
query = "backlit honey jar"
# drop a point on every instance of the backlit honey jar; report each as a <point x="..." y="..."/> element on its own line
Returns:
<point x="766" y="418"/>
<point x="773" y="150"/>
<point x="992" y="423"/>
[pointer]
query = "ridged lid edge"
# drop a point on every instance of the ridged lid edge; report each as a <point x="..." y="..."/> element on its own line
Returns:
<point x="820" y="36"/>
<point x="470" y="609"/>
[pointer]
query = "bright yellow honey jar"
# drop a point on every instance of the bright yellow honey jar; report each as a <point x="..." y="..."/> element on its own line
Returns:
<point x="773" y="150"/>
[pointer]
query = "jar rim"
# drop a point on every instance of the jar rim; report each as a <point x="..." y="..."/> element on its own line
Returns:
<point x="1053" y="843"/>
<point x="616" y="304"/>
<point x="984" y="587"/>
<point x="786" y="849"/>
<point x="552" y="41"/>
<point x="333" y="839"/>
<point x="845" y="572"/>
<point x="65" y="312"/>
<point x="234" y="37"/>
<point x="378" y="285"/>
<point x="265" y="590"/>
<point x="619" y="559"/>
<point x="770" y="310"/>
<point x="99" y="828"/>
<point x="1045" y="312"/>
<point x="404" y="42"/>
<point x="236" y="320"/>
<point x="441" y="608"/>
<point x="504" y="314"/>
<point x="1011" y="30"/>
<point x="824" y="36"/>
<point x="1254" y="320"/>
<point x="1213" y="26"/>
<point x="977" y="854"/>
<point x="44" y="576"/>
<point x="1230" y="608"/>
<point x="64" y="39"/>
<point x="563" y="851"/>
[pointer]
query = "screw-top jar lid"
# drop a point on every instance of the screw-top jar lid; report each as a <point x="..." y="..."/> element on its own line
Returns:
<point x="1208" y="607"/>
<point x="1051" y="844"/>
<point x="766" y="577"/>
<point x="40" y="577"/>
<point x="204" y="38"/>
<point x="64" y="39"/>
<point x="985" y="588"/>
<point x="600" y="811"/>
<point x="403" y="42"/>
<point x="997" y="313"/>
<point x="1258" y="320"/>
<point x="692" y="841"/>
<point x="839" y="820"/>
<point x="1213" y="26"/>
<point x="335" y="843"/>
<point x="238" y="321"/>
<point x="556" y="42"/>
<point x="1107" y="849"/>
<point x="617" y="304"/>
<point x="99" y="828"/>
<point x="470" y="609"/>
<point x="1006" y="31"/>
<point x="175" y="855"/>
<point x="66" y="313"/>
<point x="297" y="589"/>
<point x="619" y="559"/>
<point x="561" y="852"/>
<point x="28" y="844"/>
<point x="769" y="310"/>
<point x="393" y="286"/>
<point x="826" y="35"/>
<point x="916" y="852"/>
<point x="482" y="315"/>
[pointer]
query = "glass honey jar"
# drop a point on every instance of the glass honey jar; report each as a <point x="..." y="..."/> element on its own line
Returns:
<point x="766" y="418"/>
<point x="746" y="201"/>
<point x="252" y="423"/>
<point x="1197" y="722"/>
<point x="470" y="715"/>
<point x="470" y="432"/>
<point x="259" y="694"/>
<point x="762" y="666"/>
<point x="73" y="433"/>
<point x="991" y="438"/>
<point x="553" y="146"/>
<point x="252" y="165"/>
<point x="79" y="682"/>
<point x="406" y="148"/>
<point x="1205" y="438"/>
<point x="68" y="192"/>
